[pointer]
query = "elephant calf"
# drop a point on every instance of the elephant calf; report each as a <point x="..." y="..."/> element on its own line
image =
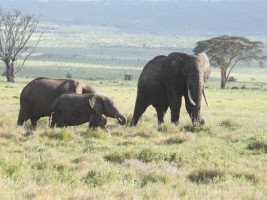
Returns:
<point x="75" y="109"/>
<point x="38" y="95"/>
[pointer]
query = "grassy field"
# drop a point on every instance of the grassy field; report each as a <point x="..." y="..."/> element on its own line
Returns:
<point x="224" y="159"/>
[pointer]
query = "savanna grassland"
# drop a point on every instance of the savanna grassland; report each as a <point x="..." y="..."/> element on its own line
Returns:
<point x="224" y="159"/>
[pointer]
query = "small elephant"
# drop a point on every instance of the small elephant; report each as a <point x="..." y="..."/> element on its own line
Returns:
<point x="38" y="95"/>
<point x="76" y="109"/>
<point x="166" y="79"/>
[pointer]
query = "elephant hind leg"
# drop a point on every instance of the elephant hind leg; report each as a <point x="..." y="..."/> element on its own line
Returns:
<point x="161" y="110"/>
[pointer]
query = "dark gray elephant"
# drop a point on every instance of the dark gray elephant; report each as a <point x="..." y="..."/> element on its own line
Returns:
<point x="75" y="109"/>
<point x="166" y="79"/>
<point x="38" y="95"/>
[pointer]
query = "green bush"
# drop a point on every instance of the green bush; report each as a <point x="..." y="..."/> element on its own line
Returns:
<point x="150" y="155"/>
<point x="96" y="178"/>
<point x="232" y="79"/>
<point x="258" y="145"/>
<point x="68" y="75"/>
<point x="206" y="176"/>
<point x="119" y="156"/>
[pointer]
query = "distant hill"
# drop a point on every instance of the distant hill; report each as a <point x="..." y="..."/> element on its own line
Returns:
<point x="172" y="17"/>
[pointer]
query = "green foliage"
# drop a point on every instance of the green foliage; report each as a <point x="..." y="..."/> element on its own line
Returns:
<point x="100" y="177"/>
<point x="258" y="146"/>
<point x="10" y="168"/>
<point x="120" y="156"/>
<point x="68" y="75"/>
<point x="207" y="176"/>
<point x="151" y="155"/>
<point x="232" y="79"/>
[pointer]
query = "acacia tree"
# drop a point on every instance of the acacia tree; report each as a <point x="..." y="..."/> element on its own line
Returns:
<point x="225" y="52"/>
<point x="16" y="31"/>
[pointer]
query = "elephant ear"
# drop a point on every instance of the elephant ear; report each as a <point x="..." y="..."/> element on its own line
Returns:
<point x="204" y="60"/>
<point x="96" y="103"/>
<point x="79" y="88"/>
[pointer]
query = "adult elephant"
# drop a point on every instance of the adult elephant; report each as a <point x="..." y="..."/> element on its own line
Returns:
<point x="166" y="79"/>
<point x="75" y="109"/>
<point x="38" y="95"/>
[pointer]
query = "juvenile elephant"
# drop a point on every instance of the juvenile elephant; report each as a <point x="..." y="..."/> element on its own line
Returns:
<point x="166" y="79"/>
<point x="75" y="109"/>
<point x="38" y="95"/>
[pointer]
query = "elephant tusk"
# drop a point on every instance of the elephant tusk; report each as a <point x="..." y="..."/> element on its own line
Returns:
<point x="103" y="116"/>
<point x="206" y="100"/>
<point x="190" y="98"/>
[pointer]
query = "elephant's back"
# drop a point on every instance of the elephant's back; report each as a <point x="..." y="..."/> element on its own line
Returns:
<point x="153" y="71"/>
<point x="48" y="87"/>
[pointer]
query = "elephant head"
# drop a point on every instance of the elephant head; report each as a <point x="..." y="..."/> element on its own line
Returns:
<point x="197" y="71"/>
<point x="104" y="106"/>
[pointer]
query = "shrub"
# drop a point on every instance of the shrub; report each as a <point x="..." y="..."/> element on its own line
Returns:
<point x="258" y="145"/>
<point x="150" y="155"/>
<point x="68" y="75"/>
<point x="119" y="156"/>
<point x="154" y="178"/>
<point x="232" y="79"/>
<point x="128" y="77"/>
<point x="206" y="175"/>
<point x="96" y="178"/>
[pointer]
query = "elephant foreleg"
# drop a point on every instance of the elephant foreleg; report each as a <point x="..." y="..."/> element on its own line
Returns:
<point x="175" y="106"/>
<point x="140" y="108"/>
<point x="161" y="110"/>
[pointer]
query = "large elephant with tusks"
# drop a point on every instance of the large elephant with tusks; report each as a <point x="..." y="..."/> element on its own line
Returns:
<point x="37" y="97"/>
<point x="166" y="79"/>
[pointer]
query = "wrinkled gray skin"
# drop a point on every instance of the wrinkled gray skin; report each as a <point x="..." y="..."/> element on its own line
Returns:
<point x="166" y="79"/>
<point x="38" y="95"/>
<point x="75" y="109"/>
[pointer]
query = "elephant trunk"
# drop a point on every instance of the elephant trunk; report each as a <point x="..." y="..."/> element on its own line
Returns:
<point x="195" y="91"/>
<point x="121" y="119"/>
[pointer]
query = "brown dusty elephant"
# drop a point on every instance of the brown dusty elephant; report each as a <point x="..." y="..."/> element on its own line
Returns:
<point x="166" y="79"/>
<point x="76" y="109"/>
<point x="38" y="95"/>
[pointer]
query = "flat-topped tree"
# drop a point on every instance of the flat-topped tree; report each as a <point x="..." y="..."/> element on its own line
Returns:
<point x="16" y="31"/>
<point x="226" y="51"/>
